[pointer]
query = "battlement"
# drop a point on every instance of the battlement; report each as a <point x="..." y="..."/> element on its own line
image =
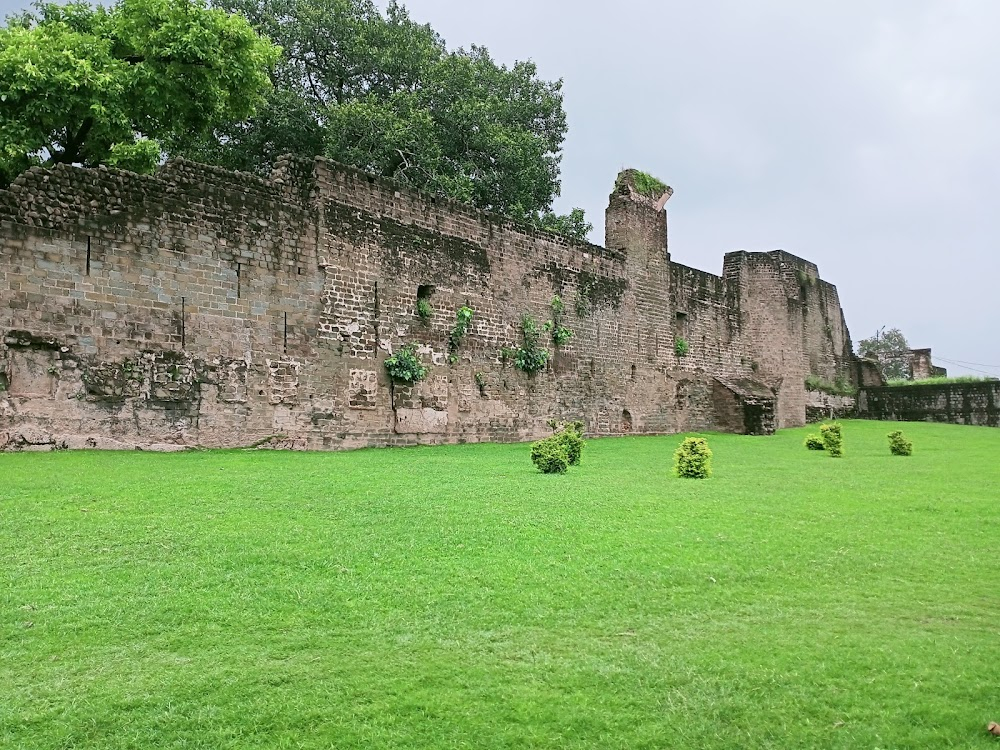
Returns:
<point x="201" y="306"/>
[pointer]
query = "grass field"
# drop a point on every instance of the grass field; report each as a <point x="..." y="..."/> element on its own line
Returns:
<point x="452" y="597"/>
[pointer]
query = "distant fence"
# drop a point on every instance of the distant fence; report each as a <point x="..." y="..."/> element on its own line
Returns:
<point x="956" y="403"/>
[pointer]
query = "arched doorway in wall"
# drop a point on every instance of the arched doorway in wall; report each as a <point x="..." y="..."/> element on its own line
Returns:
<point x="626" y="420"/>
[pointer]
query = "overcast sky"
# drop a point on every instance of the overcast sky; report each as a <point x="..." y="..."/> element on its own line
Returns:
<point x="863" y="135"/>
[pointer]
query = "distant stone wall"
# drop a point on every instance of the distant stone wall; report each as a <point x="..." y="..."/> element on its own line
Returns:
<point x="820" y="406"/>
<point x="955" y="403"/>
<point x="198" y="306"/>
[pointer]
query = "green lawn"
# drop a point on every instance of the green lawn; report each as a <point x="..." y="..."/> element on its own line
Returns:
<point x="452" y="597"/>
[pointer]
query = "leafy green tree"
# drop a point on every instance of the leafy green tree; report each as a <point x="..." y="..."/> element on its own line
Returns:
<point x="891" y="350"/>
<point x="573" y="225"/>
<point x="119" y="85"/>
<point x="383" y="93"/>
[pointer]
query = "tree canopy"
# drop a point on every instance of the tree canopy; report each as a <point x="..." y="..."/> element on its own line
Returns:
<point x="891" y="350"/>
<point x="120" y="85"/>
<point x="383" y="93"/>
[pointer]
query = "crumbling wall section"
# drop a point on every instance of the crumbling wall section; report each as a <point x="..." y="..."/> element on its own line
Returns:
<point x="976" y="403"/>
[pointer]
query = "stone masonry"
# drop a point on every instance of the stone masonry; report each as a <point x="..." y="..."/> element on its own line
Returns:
<point x="203" y="307"/>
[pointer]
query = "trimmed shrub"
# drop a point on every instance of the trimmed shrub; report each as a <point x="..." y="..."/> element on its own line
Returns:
<point x="899" y="445"/>
<point x="693" y="459"/>
<point x="832" y="439"/>
<point x="549" y="455"/>
<point x="814" y="442"/>
<point x="572" y="442"/>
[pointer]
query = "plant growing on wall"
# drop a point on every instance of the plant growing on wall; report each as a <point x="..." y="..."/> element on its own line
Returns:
<point x="644" y="183"/>
<point x="530" y="357"/>
<point x="560" y="333"/>
<point x="481" y="382"/>
<point x="839" y="387"/>
<point x="405" y="366"/>
<point x="424" y="309"/>
<point x="463" y="317"/>
<point x="681" y="347"/>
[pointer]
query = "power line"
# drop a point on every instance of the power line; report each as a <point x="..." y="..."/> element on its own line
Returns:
<point x="960" y="362"/>
<point x="964" y="366"/>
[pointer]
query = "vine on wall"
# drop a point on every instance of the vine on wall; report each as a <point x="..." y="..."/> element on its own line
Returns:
<point x="560" y="333"/>
<point x="463" y="317"/>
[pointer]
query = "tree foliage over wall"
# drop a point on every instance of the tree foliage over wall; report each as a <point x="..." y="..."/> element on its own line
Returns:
<point x="891" y="350"/>
<point x="381" y="92"/>
<point x="119" y="85"/>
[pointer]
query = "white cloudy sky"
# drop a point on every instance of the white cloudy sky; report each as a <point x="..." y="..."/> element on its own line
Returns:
<point x="859" y="134"/>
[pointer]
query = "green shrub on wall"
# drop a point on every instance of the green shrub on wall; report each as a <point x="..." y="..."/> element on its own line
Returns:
<point x="560" y="333"/>
<point x="832" y="439"/>
<point x="839" y="387"/>
<point x="405" y="366"/>
<point x="463" y="317"/>
<point x="530" y="357"/>
<point x="681" y="347"/>
<point x="424" y="309"/>
<point x="693" y="459"/>
<point x="899" y="445"/>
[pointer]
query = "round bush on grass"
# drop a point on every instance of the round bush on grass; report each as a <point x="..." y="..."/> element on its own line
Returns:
<point x="550" y="456"/>
<point x="572" y="442"/>
<point x="899" y="445"/>
<point x="832" y="439"/>
<point x="693" y="459"/>
<point x="814" y="442"/>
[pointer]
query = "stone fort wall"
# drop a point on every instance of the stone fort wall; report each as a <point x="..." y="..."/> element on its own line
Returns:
<point x="197" y="306"/>
<point x="976" y="403"/>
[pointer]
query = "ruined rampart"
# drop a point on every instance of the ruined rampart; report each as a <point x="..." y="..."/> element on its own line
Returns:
<point x="976" y="403"/>
<point x="202" y="307"/>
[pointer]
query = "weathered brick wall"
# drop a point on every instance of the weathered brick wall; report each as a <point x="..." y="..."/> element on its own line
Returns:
<point x="956" y="403"/>
<point x="199" y="306"/>
<point x="820" y="406"/>
<point x="792" y="325"/>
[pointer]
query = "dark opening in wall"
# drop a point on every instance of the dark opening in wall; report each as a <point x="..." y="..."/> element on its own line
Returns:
<point x="424" y="309"/>
<point x="681" y="324"/>
<point x="626" y="420"/>
<point x="633" y="372"/>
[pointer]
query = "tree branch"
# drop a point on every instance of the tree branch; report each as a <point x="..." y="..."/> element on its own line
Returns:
<point x="136" y="59"/>
<point x="71" y="151"/>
